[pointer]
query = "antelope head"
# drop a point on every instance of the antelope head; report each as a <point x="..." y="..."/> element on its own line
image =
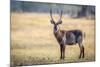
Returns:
<point x="56" y="27"/>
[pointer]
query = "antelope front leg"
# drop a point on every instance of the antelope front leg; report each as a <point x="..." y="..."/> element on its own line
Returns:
<point x="61" y="52"/>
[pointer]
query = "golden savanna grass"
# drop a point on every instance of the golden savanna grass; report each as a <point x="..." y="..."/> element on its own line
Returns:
<point x="33" y="42"/>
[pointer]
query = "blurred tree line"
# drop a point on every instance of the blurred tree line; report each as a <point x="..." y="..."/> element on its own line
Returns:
<point x="68" y="9"/>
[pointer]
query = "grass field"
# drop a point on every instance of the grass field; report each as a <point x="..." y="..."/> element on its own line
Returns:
<point x="33" y="42"/>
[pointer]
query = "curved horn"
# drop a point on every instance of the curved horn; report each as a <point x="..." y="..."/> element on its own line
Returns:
<point x="60" y="16"/>
<point x="51" y="14"/>
<point x="60" y="21"/>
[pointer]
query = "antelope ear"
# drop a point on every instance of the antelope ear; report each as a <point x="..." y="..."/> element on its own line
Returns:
<point x="59" y="22"/>
<point x="52" y="22"/>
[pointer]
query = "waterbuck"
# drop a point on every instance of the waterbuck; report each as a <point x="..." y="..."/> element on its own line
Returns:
<point x="64" y="37"/>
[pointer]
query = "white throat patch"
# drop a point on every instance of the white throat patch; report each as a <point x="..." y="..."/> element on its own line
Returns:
<point x="57" y="29"/>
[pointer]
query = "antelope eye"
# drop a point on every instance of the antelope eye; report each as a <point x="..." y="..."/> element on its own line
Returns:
<point x="59" y="22"/>
<point x="52" y="21"/>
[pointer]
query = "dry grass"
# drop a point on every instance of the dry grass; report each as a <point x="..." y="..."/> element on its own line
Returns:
<point x="33" y="42"/>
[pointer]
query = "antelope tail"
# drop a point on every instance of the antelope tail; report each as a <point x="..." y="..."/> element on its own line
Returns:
<point x="84" y="35"/>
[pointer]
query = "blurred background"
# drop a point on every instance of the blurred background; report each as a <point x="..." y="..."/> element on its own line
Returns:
<point x="69" y="10"/>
